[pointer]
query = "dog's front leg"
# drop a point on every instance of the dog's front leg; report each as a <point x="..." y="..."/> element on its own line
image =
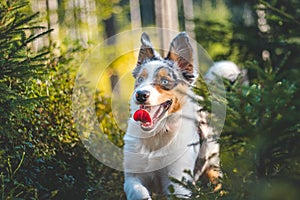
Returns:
<point x="134" y="188"/>
<point x="179" y="191"/>
<point x="177" y="171"/>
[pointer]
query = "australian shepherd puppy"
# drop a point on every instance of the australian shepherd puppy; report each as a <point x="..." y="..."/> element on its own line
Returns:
<point x="167" y="132"/>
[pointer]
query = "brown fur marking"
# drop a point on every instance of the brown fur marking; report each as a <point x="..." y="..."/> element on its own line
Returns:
<point x="177" y="95"/>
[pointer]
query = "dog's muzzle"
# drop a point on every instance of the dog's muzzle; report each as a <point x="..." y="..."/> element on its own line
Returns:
<point x="141" y="96"/>
<point x="150" y="116"/>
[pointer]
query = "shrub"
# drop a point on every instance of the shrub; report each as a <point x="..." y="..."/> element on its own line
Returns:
<point x="260" y="139"/>
<point x="41" y="154"/>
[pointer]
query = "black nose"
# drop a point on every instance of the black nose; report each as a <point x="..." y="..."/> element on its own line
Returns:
<point x="142" y="95"/>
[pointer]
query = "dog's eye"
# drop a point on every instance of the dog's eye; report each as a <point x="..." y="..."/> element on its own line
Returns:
<point x="164" y="82"/>
<point x="140" y="79"/>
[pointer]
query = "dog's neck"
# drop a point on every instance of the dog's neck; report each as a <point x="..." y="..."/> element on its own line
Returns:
<point x="165" y="135"/>
<point x="180" y="123"/>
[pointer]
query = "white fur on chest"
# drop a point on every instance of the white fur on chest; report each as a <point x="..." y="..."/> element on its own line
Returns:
<point x="146" y="152"/>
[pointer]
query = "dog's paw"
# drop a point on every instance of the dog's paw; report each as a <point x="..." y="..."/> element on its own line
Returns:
<point x="214" y="176"/>
<point x="138" y="192"/>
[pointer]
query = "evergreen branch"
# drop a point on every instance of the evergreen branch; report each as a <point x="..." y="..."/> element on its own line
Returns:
<point x="31" y="28"/>
<point x="8" y="9"/>
<point x="18" y="22"/>
<point x="41" y="55"/>
<point x="26" y="20"/>
<point x="37" y="36"/>
<point x="17" y="7"/>
<point x="286" y="15"/>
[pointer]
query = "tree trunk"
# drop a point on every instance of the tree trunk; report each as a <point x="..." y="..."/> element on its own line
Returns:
<point x="48" y="10"/>
<point x="110" y="30"/>
<point x="92" y="20"/>
<point x="188" y="10"/>
<point x="166" y="18"/>
<point x="135" y="14"/>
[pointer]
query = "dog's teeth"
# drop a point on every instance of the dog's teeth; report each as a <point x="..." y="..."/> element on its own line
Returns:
<point x="158" y="112"/>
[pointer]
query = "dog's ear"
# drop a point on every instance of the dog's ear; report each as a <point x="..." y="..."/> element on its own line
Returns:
<point x="181" y="52"/>
<point x="147" y="52"/>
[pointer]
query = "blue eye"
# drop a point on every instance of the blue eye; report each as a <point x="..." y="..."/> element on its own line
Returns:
<point x="140" y="79"/>
<point x="164" y="82"/>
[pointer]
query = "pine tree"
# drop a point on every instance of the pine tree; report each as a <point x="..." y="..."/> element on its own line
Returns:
<point x="19" y="66"/>
<point x="260" y="140"/>
<point x="20" y="71"/>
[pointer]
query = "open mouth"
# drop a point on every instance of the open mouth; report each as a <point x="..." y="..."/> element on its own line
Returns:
<point x="149" y="116"/>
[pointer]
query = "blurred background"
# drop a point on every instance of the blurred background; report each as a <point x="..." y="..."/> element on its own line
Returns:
<point x="226" y="29"/>
<point x="45" y="43"/>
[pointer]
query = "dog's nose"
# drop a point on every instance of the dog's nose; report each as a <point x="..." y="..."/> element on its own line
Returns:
<point x="142" y="95"/>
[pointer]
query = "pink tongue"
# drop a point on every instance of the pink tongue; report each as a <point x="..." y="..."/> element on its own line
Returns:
<point x="142" y="116"/>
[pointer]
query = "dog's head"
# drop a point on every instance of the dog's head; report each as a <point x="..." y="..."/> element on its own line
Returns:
<point x="161" y="84"/>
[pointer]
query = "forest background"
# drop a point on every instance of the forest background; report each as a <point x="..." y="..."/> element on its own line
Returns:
<point x="41" y="154"/>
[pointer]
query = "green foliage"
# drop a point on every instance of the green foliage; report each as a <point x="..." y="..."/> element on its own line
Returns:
<point x="199" y="190"/>
<point x="213" y="28"/>
<point x="107" y="122"/>
<point x="276" y="33"/>
<point x="19" y="68"/>
<point x="41" y="155"/>
<point x="107" y="8"/>
<point x="260" y="139"/>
